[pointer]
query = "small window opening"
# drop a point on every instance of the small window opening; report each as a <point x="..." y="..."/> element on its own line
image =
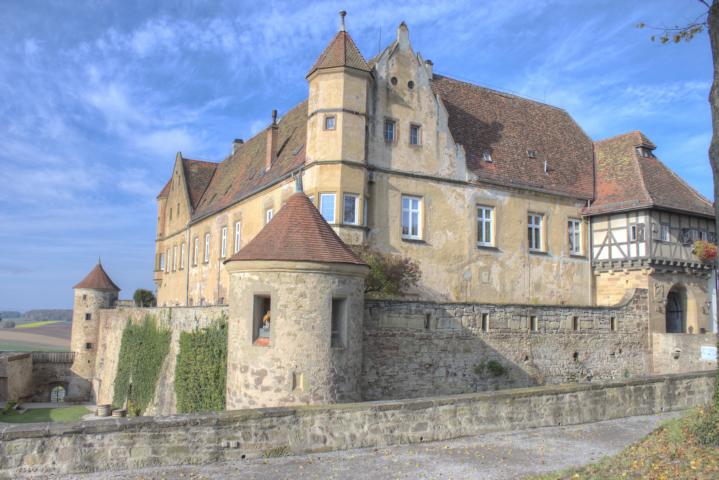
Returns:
<point x="410" y="84"/>
<point x="575" y="356"/>
<point x="427" y="320"/>
<point x="339" y="321"/>
<point x="261" y="320"/>
<point x="389" y="131"/>
<point x="330" y="122"/>
<point x="613" y="324"/>
<point x="88" y="316"/>
<point x="414" y="135"/>
<point x="532" y="153"/>
<point x="487" y="156"/>
<point x="84" y="297"/>
<point x="298" y="380"/>
<point x="575" y="323"/>
<point x="393" y="80"/>
<point x="533" y="324"/>
<point x="88" y="346"/>
<point x="485" y="322"/>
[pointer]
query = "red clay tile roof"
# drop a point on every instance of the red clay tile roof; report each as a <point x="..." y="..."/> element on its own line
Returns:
<point x="165" y="190"/>
<point x="626" y="180"/>
<point x="341" y="52"/>
<point x="298" y="233"/>
<point x="198" y="175"/>
<point x="506" y="126"/>
<point x="243" y="173"/>
<point x="98" y="279"/>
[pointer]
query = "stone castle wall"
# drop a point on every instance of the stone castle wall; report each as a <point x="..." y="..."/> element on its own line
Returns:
<point x="212" y="437"/>
<point x="674" y="353"/>
<point x="177" y="319"/>
<point x="414" y="349"/>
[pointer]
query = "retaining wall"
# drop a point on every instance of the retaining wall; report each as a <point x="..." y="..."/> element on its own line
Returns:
<point x="205" y="438"/>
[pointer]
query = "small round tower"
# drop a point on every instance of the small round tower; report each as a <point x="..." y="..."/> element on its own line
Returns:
<point x="296" y="309"/>
<point x="96" y="291"/>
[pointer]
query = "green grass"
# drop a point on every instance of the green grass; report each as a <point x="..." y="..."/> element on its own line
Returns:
<point x="670" y="452"/>
<point x="36" y="415"/>
<point x="37" y="324"/>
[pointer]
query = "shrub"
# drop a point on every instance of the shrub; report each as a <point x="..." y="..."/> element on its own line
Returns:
<point x="142" y="352"/>
<point x="495" y="368"/>
<point x="705" y="426"/>
<point x="390" y="275"/>
<point x="144" y="298"/>
<point x="201" y="371"/>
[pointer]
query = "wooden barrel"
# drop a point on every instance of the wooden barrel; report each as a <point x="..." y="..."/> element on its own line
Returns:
<point x="120" y="412"/>
<point x="103" y="410"/>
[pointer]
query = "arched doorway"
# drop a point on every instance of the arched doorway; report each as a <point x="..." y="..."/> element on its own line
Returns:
<point x="676" y="311"/>
<point x="57" y="394"/>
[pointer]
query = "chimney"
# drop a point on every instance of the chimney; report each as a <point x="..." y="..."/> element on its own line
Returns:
<point x="271" y="150"/>
<point x="342" y="20"/>
<point x="428" y="64"/>
<point x="236" y="144"/>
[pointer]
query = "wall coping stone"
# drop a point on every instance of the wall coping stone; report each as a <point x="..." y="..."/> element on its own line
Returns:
<point x="19" y="431"/>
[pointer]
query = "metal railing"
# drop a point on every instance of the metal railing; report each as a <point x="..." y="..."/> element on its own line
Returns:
<point x="53" y="357"/>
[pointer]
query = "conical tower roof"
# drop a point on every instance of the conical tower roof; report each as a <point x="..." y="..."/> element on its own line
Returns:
<point x="341" y="52"/>
<point x="298" y="233"/>
<point x="98" y="279"/>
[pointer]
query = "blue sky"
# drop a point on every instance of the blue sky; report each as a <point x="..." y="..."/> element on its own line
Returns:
<point x="97" y="97"/>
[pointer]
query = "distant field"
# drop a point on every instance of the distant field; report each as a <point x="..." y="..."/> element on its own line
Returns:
<point x="37" y="324"/>
<point x="51" y="336"/>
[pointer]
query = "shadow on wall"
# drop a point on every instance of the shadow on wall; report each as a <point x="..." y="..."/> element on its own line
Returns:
<point x="415" y="349"/>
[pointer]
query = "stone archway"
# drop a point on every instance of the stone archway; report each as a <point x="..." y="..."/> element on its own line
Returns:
<point x="57" y="393"/>
<point x="676" y="310"/>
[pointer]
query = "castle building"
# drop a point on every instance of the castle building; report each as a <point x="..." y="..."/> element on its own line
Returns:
<point x="498" y="198"/>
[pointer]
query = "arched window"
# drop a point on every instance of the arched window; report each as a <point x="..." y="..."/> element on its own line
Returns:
<point x="676" y="311"/>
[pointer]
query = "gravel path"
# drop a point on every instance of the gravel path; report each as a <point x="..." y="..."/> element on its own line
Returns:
<point x="501" y="455"/>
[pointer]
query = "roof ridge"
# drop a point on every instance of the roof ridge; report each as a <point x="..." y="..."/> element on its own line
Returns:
<point x="500" y="92"/>
<point x="683" y="182"/>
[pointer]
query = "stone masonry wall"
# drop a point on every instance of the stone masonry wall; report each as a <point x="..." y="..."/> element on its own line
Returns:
<point x="215" y="437"/>
<point x="17" y="369"/>
<point x="680" y="352"/>
<point x="177" y="319"/>
<point x="414" y="349"/>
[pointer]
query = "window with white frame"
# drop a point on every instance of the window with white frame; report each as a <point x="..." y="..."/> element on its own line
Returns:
<point x="182" y="255"/>
<point x="574" y="230"/>
<point x="665" y="233"/>
<point x="636" y="232"/>
<point x="174" y="258"/>
<point x="238" y="236"/>
<point x="162" y="262"/>
<point x="269" y="213"/>
<point x="534" y="231"/>
<point x="351" y="209"/>
<point x="411" y="217"/>
<point x="207" y="247"/>
<point x="389" y="130"/>
<point x="415" y="137"/>
<point x="327" y="206"/>
<point x="330" y="122"/>
<point x="196" y="252"/>
<point x="223" y="242"/>
<point x="485" y="230"/>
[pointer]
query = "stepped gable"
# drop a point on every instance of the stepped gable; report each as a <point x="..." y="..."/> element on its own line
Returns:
<point x="298" y="233"/>
<point x="98" y="279"/>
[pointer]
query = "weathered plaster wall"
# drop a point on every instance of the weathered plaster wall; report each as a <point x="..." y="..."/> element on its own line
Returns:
<point x="299" y="366"/>
<point x="50" y="370"/>
<point x="413" y="349"/>
<point x="680" y="352"/>
<point x="205" y="438"/>
<point x="177" y="319"/>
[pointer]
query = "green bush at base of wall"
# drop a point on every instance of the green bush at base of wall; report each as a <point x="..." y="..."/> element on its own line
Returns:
<point x="201" y="371"/>
<point x="142" y="351"/>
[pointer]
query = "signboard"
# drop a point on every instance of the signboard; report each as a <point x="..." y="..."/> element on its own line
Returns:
<point x="709" y="353"/>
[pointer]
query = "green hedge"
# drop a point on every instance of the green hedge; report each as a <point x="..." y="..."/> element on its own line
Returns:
<point x="201" y="371"/>
<point x="142" y="351"/>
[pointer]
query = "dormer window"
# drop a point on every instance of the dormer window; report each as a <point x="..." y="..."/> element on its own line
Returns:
<point x="487" y="156"/>
<point x="644" y="152"/>
<point x="532" y="153"/>
<point x="330" y="122"/>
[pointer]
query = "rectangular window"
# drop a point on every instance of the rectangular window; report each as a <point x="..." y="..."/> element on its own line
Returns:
<point x="174" y="258"/>
<point x="702" y="235"/>
<point x="162" y="262"/>
<point x="223" y="243"/>
<point x="574" y="229"/>
<point x="575" y="324"/>
<point x="196" y="252"/>
<point x="665" y="235"/>
<point x="487" y="156"/>
<point x="485" y="218"/>
<point x="411" y="217"/>
<point x="613" y="324"/>
<point x="330" y="122"/>
<point x="633" y="233"/>
<point x="269" y="213"/>
<point x="339" y="316"/>
<point x="414" y="135"/>
<point x="350" y="210"/>
<point x="485" y="322"/>
<point x="534" y="230"/>
<point x="207" y="247"/>
<point x="182" y="255"/>
<point x="533" y="324"/>
<point x="88" y="316"/>
<point x="88" y="346"/>
<point x="389" y="131"/>
<point x="238" y="236"/>
<point x="327" y="206"/>
<point x="167" y="262"/>
<point x="261" y="320"/>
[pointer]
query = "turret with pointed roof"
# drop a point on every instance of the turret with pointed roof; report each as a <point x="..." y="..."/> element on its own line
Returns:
<point x="341" y="52"/>
<point x="98" y="279"/>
